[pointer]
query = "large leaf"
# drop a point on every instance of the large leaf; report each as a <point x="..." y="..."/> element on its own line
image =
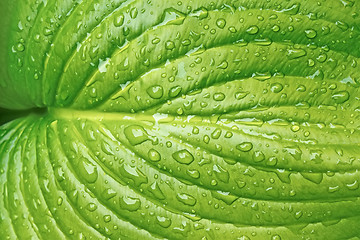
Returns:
<point x="180" y="120"/>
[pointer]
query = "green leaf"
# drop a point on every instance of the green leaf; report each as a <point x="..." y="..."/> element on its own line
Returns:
<point x="180" y="120"/>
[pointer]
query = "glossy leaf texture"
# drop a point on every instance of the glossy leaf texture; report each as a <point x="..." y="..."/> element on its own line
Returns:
<point x="180" y="120"/>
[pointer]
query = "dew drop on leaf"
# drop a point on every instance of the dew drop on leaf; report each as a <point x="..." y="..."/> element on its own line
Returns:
<point x="164" y="222"/>
<point x="155" y="92"/>
<point x="183" y="157"/>
<point x="186" y="199"/>
<point x="245" y="146"/>
<point x="154" y="155"/>
<point x="129" y="203"/>
<point x="136" y="134"/>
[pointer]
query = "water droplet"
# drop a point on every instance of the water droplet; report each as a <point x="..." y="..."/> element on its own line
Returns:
<point x="60" y="201"/>
<point x="175" y="91"/>
<point x="295" y="128"/>
<point x="163" y="221"/>
<point x="20" y="47"/>
<point x="107" y="218"/>
<point x="155" y="40"/>
<point x="296" y="53"/>
<point x="91" y="207"/>
<point x="341" y="97"/>
<point x="223" y="65"/>
<point x="133" y="173"/>
<point x="88" y="170"/>
<point x="219" y="97"/>
<point x="253" y="30"/>
<point x="353" y="186"/>
<point x="221" y="23"/>
<point x="226" y="197"/>
<point x="275" y="237"/>
<point x="294" y="151"/>
<point x="133" y="13"/>
<point x="216" y="134"/>
<point x="310" y="33"/>
<point x="245" y="146"/>
<point x="276" y="87"/>
<point x="313" y="177"/>
<point x="258" y="156"/>
<point x="154" y="155"/>
<point x="108" y="193"/>
<point x="105" y="147"/>
<point x="193" y="173"/>
<point x="118" y="20"/>
<point x="293" y="10"/>
<point x="156" y="191"/>
<point x="221" y="173"/>
<point x="186" y="199"/>
<point x="169" y="45"/>
<point x="343" y="26"/>
<point x="136" y="134"/>
<point x="155" y="92"/>
<point x="129" y="203"/>
<point x="272" y="161"/>
<point x="183" y="157"/>
<point x="241" y="95"/>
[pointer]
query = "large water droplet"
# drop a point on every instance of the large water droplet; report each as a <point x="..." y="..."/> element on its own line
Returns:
<point x="296" y="53"/>
<point x="155" y="92"/>
<point x="156" y="191"/>
<point x="341" y="97"/>
<point x="245" y="146"/>
<point x="221" y="23"/>
<point x="163" y="221"/>
<point x="186" y="199"/>
<point x="134" y="174"/>
<point x="183" y="157"/>
<point x="226" y="197"/>
<point x="253" y="30"/>
<point x="129" y="203"/>
<point x="88" y="170"/>
<point x="154" y="155"/>
<point x="221" y="173"/>
<point x="136" y="134"/>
